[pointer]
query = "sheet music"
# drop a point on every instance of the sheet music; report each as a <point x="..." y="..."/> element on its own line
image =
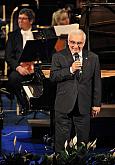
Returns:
<point x="65" y="29"/>
<point x="33" y="90"/>
<point x="28" y="92"/>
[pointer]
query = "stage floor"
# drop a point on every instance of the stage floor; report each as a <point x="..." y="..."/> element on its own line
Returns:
<point x="102" y="128"/>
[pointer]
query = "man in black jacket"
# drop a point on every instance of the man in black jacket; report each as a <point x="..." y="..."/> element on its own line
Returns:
<point x="14" y="48"/>
<point x="77" y="73"/>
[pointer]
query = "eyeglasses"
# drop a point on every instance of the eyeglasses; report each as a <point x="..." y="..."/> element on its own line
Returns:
<point x="74" y="42"/>
<point x="23" y="18"/>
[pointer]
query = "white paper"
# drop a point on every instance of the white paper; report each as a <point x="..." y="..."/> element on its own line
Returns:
<point x="65" y="29"/>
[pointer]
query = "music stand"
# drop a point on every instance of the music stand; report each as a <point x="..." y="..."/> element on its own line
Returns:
<point x="36" y="50"/>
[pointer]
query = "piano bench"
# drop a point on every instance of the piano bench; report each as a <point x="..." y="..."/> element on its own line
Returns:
<point x="40" y="128"/>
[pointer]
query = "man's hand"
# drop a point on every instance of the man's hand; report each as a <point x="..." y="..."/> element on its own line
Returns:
<point x="95" y="111"/>
<point x="76" y="65"/>
<point x="22" y="70"/>
<point x="26" y="68"/>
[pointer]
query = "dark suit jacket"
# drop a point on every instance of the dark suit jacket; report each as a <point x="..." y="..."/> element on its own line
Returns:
<point x="87" y="89"/>
<point x="14" y="48"/>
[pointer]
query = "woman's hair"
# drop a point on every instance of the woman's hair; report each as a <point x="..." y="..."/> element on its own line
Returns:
<point x="29" y="13"/>
<point x="57" y="15"/>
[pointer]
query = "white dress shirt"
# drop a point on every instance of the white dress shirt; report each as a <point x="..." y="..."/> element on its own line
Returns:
<point x="27" y="35"/>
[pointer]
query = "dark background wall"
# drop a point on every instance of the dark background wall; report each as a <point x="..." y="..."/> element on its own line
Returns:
<point x="43" y="11"/>
<point x="46" y="8"/>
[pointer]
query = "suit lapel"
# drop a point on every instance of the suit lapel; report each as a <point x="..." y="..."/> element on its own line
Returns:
<point x="85" y="62"/>
<point x="34" y="34"/>
<point x="19" y="43"/>
<point x="69" y="57"/>
<point x="20" y="40"/>
<point x="85" y="59"/>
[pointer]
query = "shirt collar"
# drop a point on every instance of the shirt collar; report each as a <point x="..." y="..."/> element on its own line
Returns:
<point x="26" y="31"/>
<point x="80" y="54"/>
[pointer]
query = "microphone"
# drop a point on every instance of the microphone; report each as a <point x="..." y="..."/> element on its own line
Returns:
<point x="77" y="57"/>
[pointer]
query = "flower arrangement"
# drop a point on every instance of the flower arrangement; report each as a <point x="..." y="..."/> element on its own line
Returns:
<point x="18" y="157"/>
<point x="80" y="155"/>
<point x="71" y="155"/>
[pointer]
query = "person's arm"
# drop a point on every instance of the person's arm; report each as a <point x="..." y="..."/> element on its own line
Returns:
<point x="60" y="70"/>
<point x="10" y="51"/>
<point x="96" y="89"/>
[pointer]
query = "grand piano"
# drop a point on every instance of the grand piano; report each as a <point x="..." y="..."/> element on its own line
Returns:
<point x="98" y="21"/>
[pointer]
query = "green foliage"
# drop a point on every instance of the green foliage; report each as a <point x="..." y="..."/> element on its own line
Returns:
<point x="71" y="155"/>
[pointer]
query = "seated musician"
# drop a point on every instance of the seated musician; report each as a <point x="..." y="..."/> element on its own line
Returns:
<point x="14" y="48"/>
<point x="60" y="17"/>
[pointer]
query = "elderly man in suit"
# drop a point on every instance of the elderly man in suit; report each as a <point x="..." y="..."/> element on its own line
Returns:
<point x="14" y="48"/>
<point x="78" y="95"/>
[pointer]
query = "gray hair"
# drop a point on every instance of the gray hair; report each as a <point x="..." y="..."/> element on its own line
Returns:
<point x="77" y="32"/>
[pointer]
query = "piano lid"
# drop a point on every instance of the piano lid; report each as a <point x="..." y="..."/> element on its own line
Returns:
<point x="99" y="20"/>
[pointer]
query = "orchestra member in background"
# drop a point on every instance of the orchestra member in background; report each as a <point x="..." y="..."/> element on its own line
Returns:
<point x="70" y="9"/>
<point x="15" y="13"/>
<point x="77" y="74"/>
<point x="14" y="48"/>
<point x="73" y="12"/>
<point x="60" y="17"/>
